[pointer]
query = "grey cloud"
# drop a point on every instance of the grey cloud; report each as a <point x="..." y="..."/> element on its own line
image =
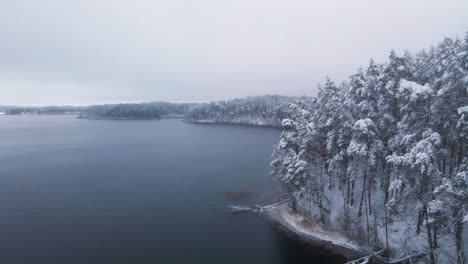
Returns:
<point x="57" y="52"/>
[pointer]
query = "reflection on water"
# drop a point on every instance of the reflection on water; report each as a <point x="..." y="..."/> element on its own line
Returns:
<point x="241" y="197"/>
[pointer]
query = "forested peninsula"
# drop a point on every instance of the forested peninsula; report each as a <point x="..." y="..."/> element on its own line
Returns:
<point x="267" y="110"/>
<point x="380" y="158"/>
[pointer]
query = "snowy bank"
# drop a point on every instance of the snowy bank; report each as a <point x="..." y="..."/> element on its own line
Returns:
<point x="299" y="227"/>
<point x="236" y="123"/>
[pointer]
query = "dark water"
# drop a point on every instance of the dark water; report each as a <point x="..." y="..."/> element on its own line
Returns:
<point x="88" y="191"/>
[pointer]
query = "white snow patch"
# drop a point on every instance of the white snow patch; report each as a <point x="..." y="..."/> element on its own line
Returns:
<point x="305" y="226"/>
<point x="395" y="185"/>
<point x="414" y="87"/>
<point x="363" y="124"/>
<point x="463" y="109"/>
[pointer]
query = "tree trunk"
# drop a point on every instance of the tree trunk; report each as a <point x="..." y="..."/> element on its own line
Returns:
<point x="420" y="219"/>
<point x="444" y="160"/>
<point x="376" y="232"/>
<point x="443" y="165"/>
<point x="353" y="182"/>
<point x="322" y="213"/>
<point x="367" y="222"/>
<point x="345" y="211"/>
<point x="386" y="228"/>
<point x="387" y="182"/>
<point x="363" y="192"/>
<point x="429" y="236"/>
<point x="460" y="152"/>
<point x="452" y="154"/>
<point x="459" y="238"/>
<point x="348" y="190"/>
<point x="369" y="196"/>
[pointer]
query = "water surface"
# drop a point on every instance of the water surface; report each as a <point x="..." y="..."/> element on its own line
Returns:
<point x="102" y="191"/>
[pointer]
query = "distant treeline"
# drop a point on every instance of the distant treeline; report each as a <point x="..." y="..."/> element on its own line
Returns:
<point x="268" y="110"/>
<point x="152" y="110"/>
<point x="136" y="111"/>
<point x="45" y="110"/>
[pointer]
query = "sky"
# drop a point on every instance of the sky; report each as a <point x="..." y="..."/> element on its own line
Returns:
<point x="80" y="52"/>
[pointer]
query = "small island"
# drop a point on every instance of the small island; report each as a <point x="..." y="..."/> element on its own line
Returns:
<point x="121" y="112"/>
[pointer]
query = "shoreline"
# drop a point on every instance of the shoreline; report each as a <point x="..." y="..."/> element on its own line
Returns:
<point x="118" y="118"/>
<point x="172" y="117"/>
<point x="332" y="241"/>
<point x="232" y="124"/>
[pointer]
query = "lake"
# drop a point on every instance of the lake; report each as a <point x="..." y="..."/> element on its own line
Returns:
<point x="102" y="191"/>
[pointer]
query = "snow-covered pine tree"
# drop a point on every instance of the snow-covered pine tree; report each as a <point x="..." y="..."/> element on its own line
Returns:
<point x="385" y="150"/>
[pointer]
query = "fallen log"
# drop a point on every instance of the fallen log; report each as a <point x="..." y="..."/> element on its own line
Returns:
<point x="272" y="205"/>
<point x="367" y="259"/>
<point x="256" y="208"/>
<point x="408" y="259"/>
<point x="376" y="257"/>
<point x="236" y="209"/>
<point x="364" y="260"/>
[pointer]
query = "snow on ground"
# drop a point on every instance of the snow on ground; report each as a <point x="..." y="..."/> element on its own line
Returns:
<point x="402" y="237"/>
<point x="238" y="121"/>
<point x="463" y="109"/>
<point x="306" y="227"/>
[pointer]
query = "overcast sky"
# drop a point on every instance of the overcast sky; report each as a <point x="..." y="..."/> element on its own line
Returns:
<point x="104" y="51"/>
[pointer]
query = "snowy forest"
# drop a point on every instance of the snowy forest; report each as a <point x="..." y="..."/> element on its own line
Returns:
<point x="268" y="110"/>
<point x="46" y="110"/>
<point x="152" y="110"/>
<point x="382" y="157"/>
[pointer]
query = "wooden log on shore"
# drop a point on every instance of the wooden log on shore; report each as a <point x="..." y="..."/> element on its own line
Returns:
<point x="367" y="259"/>
<point x="408" y="259"/>
<point x="256" y="208"/>
<point x="363" y="260"/>
<point x="376" y="258"/>
<point x="237" y="209"/>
